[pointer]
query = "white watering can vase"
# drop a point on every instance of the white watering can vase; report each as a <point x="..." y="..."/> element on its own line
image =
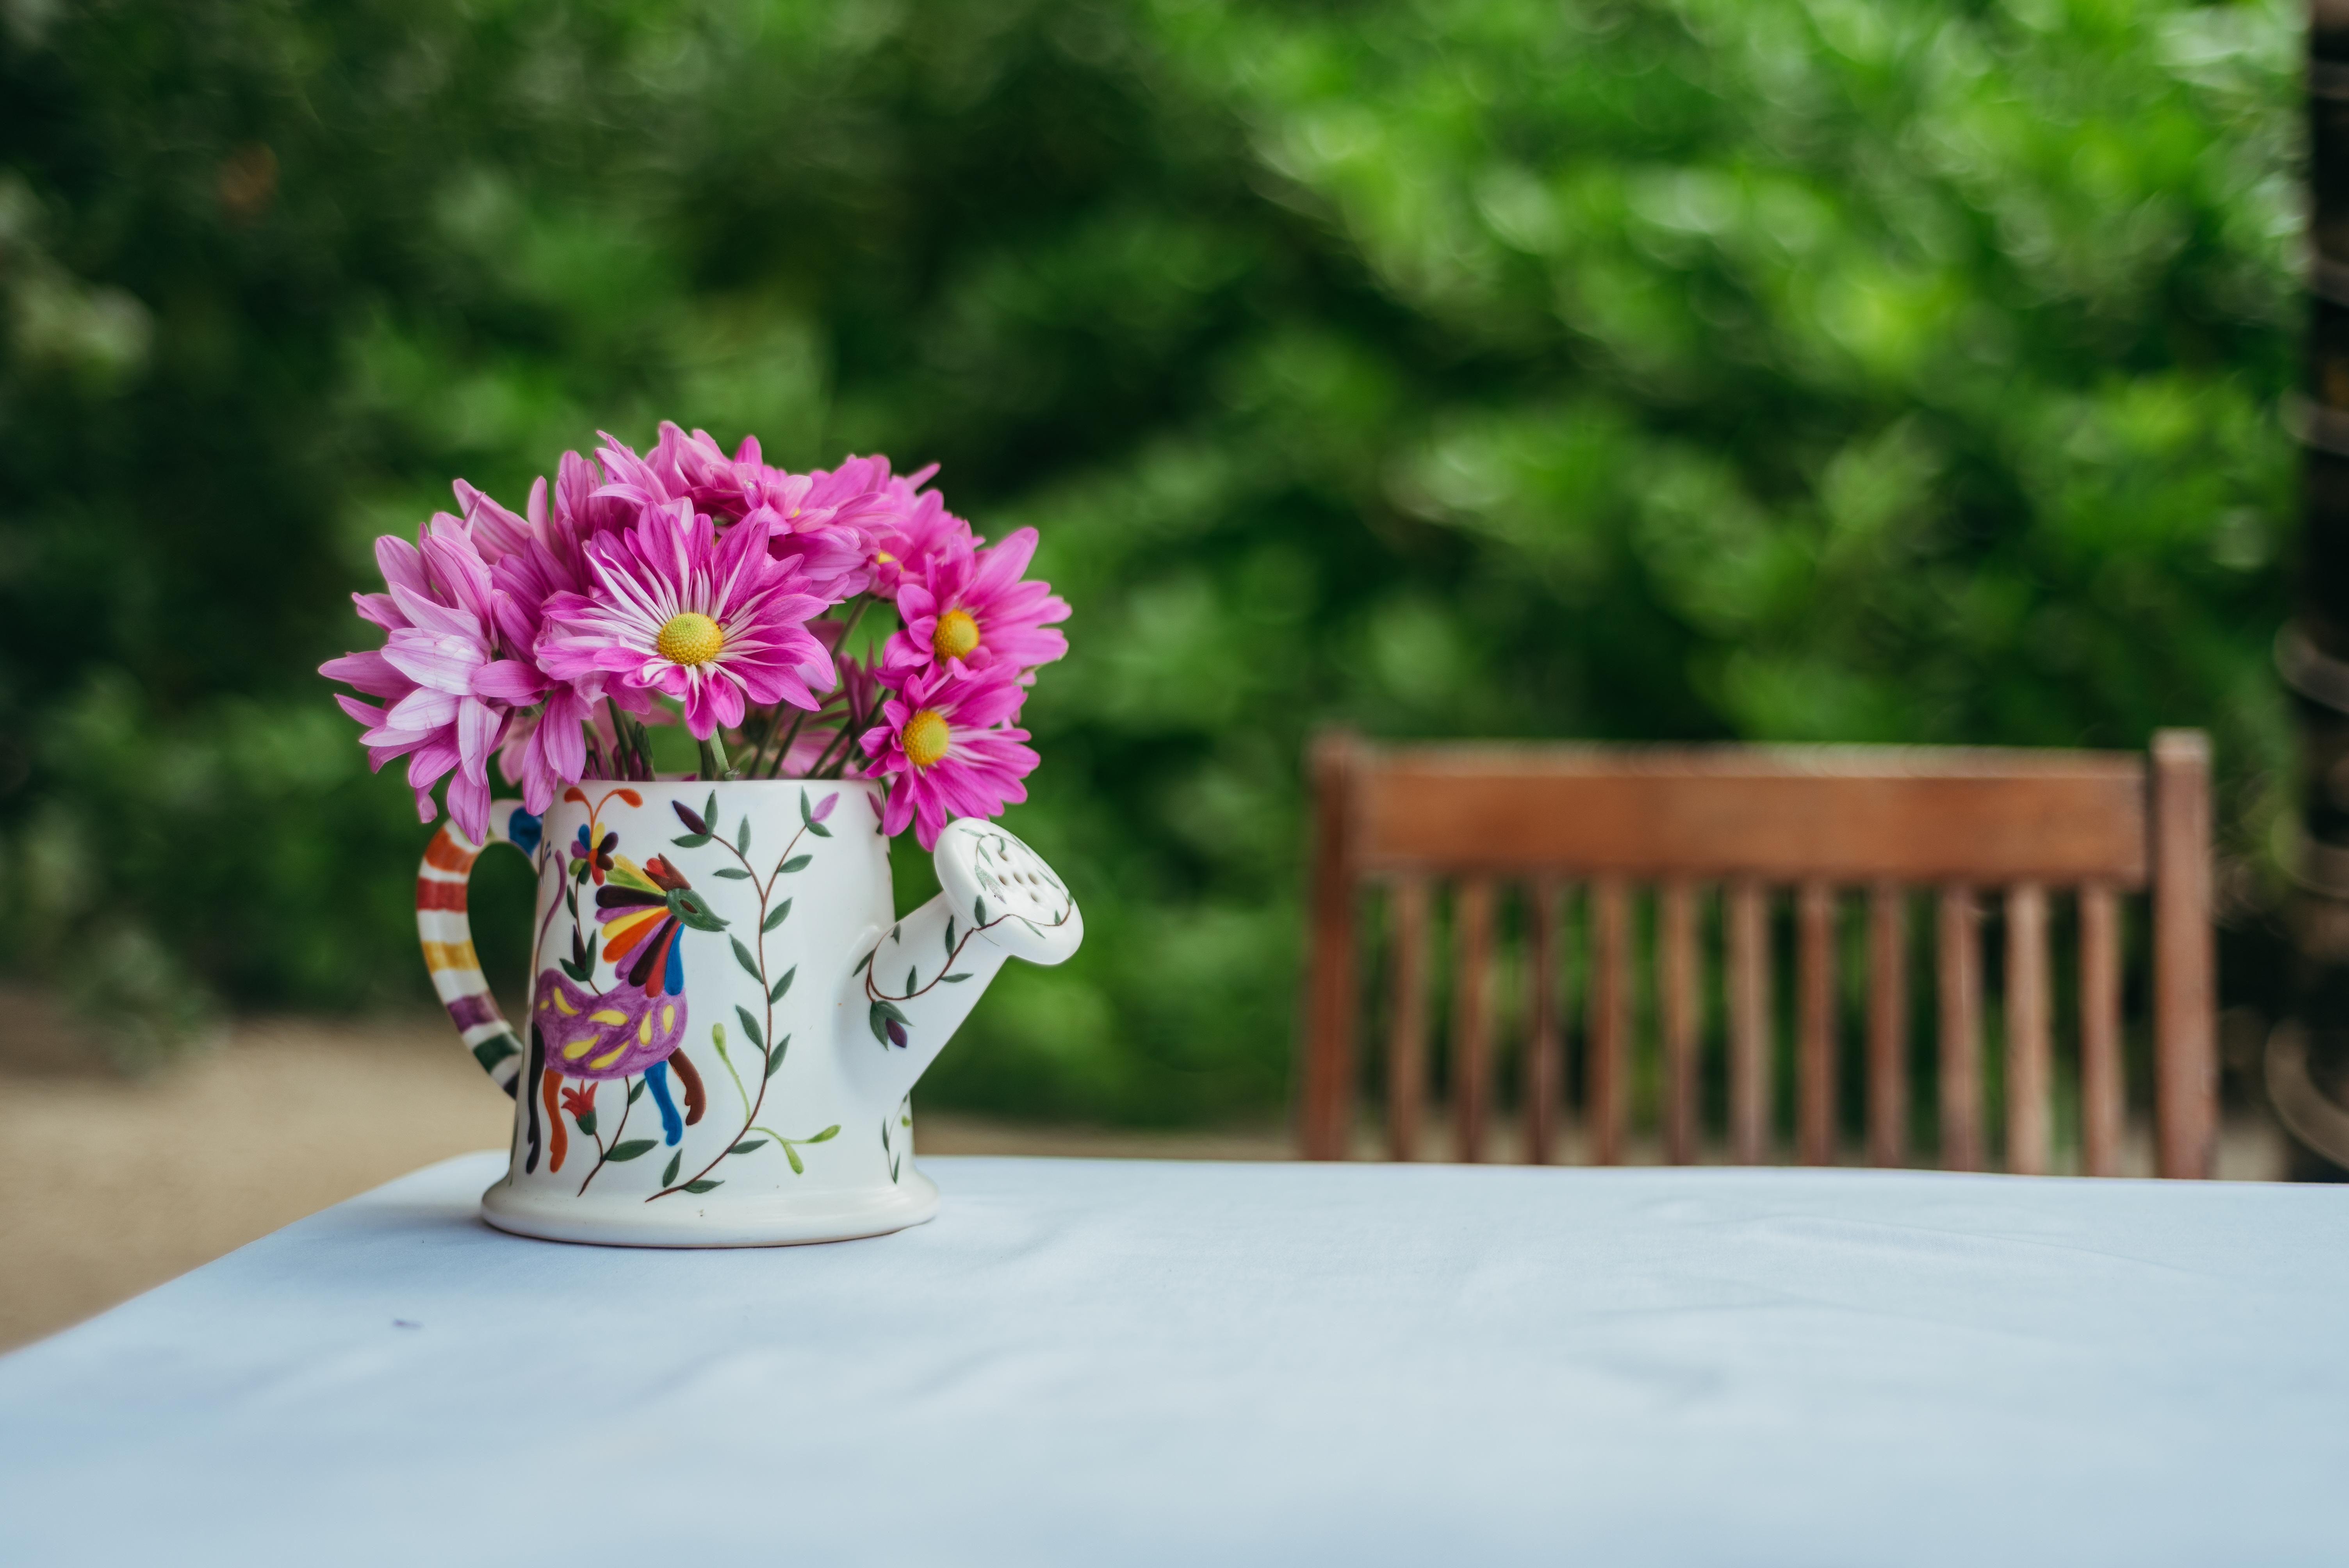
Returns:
<point x="725" y="1022"/>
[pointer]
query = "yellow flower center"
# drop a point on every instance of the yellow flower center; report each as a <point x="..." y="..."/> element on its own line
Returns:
<point x="691" y="638"/>
<point x="926" y="738"/>
<point x="957" y="635"/>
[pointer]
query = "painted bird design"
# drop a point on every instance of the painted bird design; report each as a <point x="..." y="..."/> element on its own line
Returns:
<point x="638" y="1026"/>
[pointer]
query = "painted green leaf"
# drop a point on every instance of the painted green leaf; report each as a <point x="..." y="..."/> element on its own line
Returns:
<point x="717" y="1037"/>
<point x="668" y="1177"/>
<point x="689" y="906"/>
<point x="890" y="1010"/>
<point x="950" y="931"/>
<point x="827" y="1135"/>
<point x="775" y="1057"/>
<point x="792" y="1155"/>
<point x="689" y="840"/>
<point x="742" y="838"/>
<point x="578" y="971"/>
<point x="796" y="863"/>
<point x="978" y="911"/>
<point x="704" y="1186"/>
<point x="818" y="829"/>
<point x="956" y="979"/>
<point x="780" y="912"/>
<point x="634" y="1089"/>
<point x="863" y="961"/>
<point x="732" y="874"/>
<point x="747" y="1145"/>
<point x="710" y="811"/>
<point x="913" y="978"/>
<point x="749" y="965"/>
<point x="782" y="985"/>
<point x="632" y="1149"/>
<point x="751" y="1027"/>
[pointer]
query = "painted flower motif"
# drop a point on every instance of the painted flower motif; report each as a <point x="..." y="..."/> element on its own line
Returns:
<point x="945" y="747"/>
<point x="446" y="694"/>
<point x="714" y="622"/>
<point x="595" y="860"/>
<point x="580" y="1101"/>
<point x="970" y="610"/>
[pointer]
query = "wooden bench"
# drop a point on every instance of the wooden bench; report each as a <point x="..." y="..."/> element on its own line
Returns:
<point x="1399" y="821"/>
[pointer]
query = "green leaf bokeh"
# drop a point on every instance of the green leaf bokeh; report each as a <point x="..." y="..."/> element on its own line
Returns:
<point x="1847" y="369"/>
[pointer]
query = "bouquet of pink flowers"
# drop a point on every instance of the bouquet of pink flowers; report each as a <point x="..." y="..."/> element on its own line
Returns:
<point x="686" y="585"/>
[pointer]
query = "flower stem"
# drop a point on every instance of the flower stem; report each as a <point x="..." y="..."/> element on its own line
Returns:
<point x="784" y="750"/>
<point x="849" y="730"/>
<point x="714" y="765"/>
<point x="854" y="615"/>
<point x="632" y="755"/>
<point x="758" y="728"/>
<point x="815" y="768"/>
<point x="619" y="740"/>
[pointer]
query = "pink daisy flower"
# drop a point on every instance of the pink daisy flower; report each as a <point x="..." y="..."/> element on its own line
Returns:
<point x="914" y="526"/>
<point x="947" y="751"/>
<point x="969" y="610"/>
<point x="541" y="555"/>
<point x="447" y="695"/>
<point x="821" y="520"/>
<point x="498" y="531"/>
<point x="716" y="622"/>
<point x="825" y="520"/>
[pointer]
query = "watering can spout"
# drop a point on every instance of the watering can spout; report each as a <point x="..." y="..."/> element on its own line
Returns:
<point x="913" y="983"/>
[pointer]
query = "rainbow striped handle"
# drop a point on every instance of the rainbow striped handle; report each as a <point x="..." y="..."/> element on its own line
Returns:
<point x="447" y="937"/>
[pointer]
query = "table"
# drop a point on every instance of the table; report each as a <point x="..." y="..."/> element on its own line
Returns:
<point x="1139" y="1362"/>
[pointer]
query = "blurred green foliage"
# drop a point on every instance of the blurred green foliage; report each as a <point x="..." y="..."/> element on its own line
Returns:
<point x="1794" y="369"/>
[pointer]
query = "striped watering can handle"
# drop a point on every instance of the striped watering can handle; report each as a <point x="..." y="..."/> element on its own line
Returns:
<point x="447" y="937"/>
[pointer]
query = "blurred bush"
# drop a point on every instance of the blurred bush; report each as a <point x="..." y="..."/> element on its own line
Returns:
<point x="1847" y="369"/>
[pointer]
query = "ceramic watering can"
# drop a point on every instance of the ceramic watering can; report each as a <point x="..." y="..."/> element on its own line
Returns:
<point x="725" y="1022"/>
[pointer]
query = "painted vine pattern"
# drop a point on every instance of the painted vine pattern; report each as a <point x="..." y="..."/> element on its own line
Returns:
<point x="644" y="912"/>
<point x="887" y="1019"/>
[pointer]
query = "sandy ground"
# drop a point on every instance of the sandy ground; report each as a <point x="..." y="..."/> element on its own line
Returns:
<point x="114" y="1186"/>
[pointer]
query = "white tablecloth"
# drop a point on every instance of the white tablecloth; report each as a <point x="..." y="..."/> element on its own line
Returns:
<point x="1104" y="1362"/>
